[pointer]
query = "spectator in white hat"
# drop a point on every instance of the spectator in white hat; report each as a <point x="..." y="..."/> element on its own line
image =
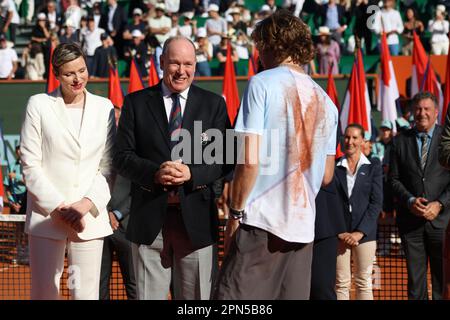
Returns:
<point x="8" y="60"/>
<point x="216" y="26"/>
<point x="137" y="50"/>
<point x="9" y="18"/>
<point x="137" y="24"/>
<point x="328" y="52"/>
<point x="160" y="25"/>
<point x="69" y="36"/>
<point x="189" y="27"/>
<point x="439" y="28"/>
<point x="203" y="53"/>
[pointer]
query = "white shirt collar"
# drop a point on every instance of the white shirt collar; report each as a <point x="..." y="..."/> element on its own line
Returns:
<point x="362" y="160"/>
<point x="167" y="93"/>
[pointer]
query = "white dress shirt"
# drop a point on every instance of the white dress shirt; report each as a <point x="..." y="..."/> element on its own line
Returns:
<point x="351" y="178"/>
<point x="167" y="97"/>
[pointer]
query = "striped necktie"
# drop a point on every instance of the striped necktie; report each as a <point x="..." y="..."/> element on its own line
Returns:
<point x="175" y="120"/>
<point x="424" y="156"/>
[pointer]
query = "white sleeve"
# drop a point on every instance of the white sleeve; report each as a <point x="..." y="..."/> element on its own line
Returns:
<point x="46" y="197"/>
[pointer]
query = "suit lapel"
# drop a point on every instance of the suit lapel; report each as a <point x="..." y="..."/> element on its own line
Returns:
<point x="341" y="175"/>
<point x="60" y="109"/>
<point x="155" y="104"/>
<point x="88" y="116"/>
<point x="191" y="111"/>
<point x="361" y="176"/>
<point x="433" y="146"/>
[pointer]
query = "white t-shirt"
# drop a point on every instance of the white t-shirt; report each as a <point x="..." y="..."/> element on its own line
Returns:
<point x="7" y="57"/>
<point x="7" y="6"/>
<point x="297" y="123"/>
<point x="92" y="40"/>
<point x="163" y="22"/>
<point x="392" y="21"/>
<point x="439" y="30"/>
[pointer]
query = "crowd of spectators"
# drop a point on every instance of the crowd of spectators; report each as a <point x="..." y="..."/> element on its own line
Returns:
<point x="138" y="28"/>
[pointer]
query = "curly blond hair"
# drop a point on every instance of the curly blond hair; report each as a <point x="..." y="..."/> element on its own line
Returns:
<point x="285" y="35"/>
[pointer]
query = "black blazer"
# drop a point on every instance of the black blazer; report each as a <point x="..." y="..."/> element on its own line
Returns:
<point x="323" y="15"/>
<point x="329" y="213"/>
<point x="142" y="145"/>
<point x="409" y="180"/>
<point x="121" y="200"/>
<point x="366" y="199"/>
<point x="119" y="20"/>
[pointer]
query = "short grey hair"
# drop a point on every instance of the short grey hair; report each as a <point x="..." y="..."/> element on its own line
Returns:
<point x="66" y="52"/>
<point x="418" y="97"/>
<point x="171" y="39"/>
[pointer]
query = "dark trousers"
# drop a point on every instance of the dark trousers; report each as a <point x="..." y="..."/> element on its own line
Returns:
<point x="118" y="243"/>
<point x="261" y="266"/>
<point x="422" y="245"/>
<point x="323" y="272"/>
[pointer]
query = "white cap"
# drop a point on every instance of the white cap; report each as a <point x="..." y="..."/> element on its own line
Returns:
<point x="324" y="31"/>
<point x="201" y="33"/>
<point x="441" y="8"/>
<point x="136" y="33"/>
<point x="188" y="14"/>
<point x="213" y="7"/>
<point x="70" y="23"/>
<point x="41" y="16"/>
<point x="265" y="7"/>
<point x="160" y="6"/>
<point x="137" y="11"/>
<point x="234" y="10"/>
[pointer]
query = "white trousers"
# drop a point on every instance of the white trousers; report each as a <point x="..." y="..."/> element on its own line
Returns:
<point x="47" y="265"/>
<point x="363" y="256"/>
<point x="439" y="48"/>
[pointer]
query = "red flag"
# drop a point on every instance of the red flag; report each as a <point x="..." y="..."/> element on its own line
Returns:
<point x="387" y="85"/>
<point x="255" y="57"/>
<point x="446" y="91"/>
<point x="331" y="88"/>
<point x="230" y="90"/>
<point x="52" y="82"/>
<point x="356" y="107"/>
<point x="115" y="93"/>
<point x="339" y="153"/>
<point x="153" y="78"/>
<point x="251" y="68"/>
<point x="135" y="83"/>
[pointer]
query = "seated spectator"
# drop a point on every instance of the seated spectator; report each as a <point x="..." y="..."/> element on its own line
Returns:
<point x="175" y="26"/>
<point x="8" y="60"/>
<point x="160" y="25"/>
<point x="53" y="17"/>
<point x="439" y="28"/>
<point x="91" y="41"/>
<point x="328" y="52"/>
<point x="241" y="45"/>
<point x="137" y="24"/>
<point x="74" y="13"/>
<point x="333" y="17"/>
<point x="391" y="22"/>
<point x="40" y="32"/>
<point x="137" y="50"/>
<point x="237" y="24"/>
<point x="272" y="5"/>
<point x="9" y="19"/>
<point x="104" y="57"/>
<point x="97" y="13"/>
<point x="412" y="24"/>
<point x="216" y="26"/>
<point x="189" y="27"/>
<point x="70" y="35"/>
<point x="203" y="53"/>
<point x="359" y="186"/>
<point x="33" y="62"/>
<point x="222" y="55"/>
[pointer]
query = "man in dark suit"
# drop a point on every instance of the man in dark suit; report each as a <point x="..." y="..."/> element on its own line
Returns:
<point x="114" y="20"/>
<point x="118" y="209"/>
<point x="422" y="189"/>
<point x="173" y="219"/>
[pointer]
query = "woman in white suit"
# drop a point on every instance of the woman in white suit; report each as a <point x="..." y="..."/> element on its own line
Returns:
<point x="66" y="144"/>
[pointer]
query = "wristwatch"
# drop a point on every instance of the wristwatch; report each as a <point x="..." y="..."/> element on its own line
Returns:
<point x="236" y="214"/>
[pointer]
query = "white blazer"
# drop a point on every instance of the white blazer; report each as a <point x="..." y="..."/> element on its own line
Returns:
<point x="60" y="166"/>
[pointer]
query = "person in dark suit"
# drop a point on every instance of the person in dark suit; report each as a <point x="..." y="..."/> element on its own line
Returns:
<point x="422" y="189"/>
<point x="118" y="209"/>
<point x="114" y="20"/>
<point x="328" y="224"/>
<point x="360" y="190"/>
<point x="173" y="218"/>
<point x="444" y="159"/>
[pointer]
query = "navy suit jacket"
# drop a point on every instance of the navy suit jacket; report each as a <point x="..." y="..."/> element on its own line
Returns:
<point x="366" y="199"/>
